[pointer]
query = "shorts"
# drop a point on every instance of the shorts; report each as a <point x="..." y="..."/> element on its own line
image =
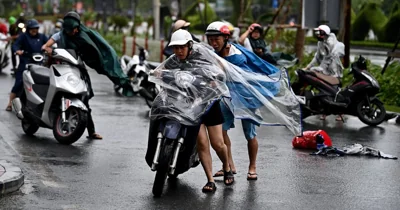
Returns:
<point x="213" y="116"/>
<point x="249" y="128"/>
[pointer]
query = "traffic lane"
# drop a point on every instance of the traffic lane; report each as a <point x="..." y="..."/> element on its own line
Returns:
<point x="112" y="174"/>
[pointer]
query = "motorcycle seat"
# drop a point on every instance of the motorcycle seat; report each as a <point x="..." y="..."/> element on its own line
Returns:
<point x="40" y="74"/>
<point x="329" y="79"/>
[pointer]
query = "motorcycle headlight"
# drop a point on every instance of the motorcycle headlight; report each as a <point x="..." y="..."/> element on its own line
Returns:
<point x="184" y="79"/>
<point x="73" y="80"/>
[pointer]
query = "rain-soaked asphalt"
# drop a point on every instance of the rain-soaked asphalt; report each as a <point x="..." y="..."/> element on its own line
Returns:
<point x="112" y="173"/>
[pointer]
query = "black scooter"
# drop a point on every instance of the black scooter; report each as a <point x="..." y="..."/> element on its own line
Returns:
<point x="322" y="94"/>
<point x="172" y="142"/>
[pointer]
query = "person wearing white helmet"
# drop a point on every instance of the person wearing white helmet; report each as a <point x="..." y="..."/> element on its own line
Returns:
<point x="179" y="24"/>
<point x="211" y="128"/>
<point x="327" y="59"/>
<point x="218" y="37"/>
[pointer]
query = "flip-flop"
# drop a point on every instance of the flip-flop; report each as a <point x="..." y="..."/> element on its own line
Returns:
<point x="228" y="175"/>
<point x="221" y="173"/>
<point x="8" y="109"/>
<point x="95" y="136"/>
<point x="209" y="187"/>
<point x="250" y="176"/>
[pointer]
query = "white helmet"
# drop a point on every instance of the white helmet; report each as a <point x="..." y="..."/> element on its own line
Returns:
<point x="323" y="28"/>
<point x="180" y="37"/>
<point x="217" y="28"/>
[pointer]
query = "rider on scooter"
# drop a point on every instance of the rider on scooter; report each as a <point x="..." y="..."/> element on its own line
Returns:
<point x="328" y="55"/>
<point x="211" y="128"/>
<point x="27" y="43"/>
<point x="329" y="52"/>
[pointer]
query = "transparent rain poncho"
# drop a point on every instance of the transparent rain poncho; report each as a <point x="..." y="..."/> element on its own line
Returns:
<point x="188" y="88"/>
<point x="263" y="99"/>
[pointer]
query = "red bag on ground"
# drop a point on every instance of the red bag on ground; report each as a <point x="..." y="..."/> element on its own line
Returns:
<point x="309" y="140"/>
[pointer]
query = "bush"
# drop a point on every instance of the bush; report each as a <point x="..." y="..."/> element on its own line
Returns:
<point x="115" y="41"/>
<point x="370" y="17"/>
<point x="391" y="30"/>
<point x="389" y="82"/>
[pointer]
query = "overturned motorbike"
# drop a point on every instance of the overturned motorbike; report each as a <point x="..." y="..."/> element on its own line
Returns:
<point x="137" y="68"/>
<point x="175" y="120"/>
<point x="322" y="94"/>
<point x="54" y="97"/>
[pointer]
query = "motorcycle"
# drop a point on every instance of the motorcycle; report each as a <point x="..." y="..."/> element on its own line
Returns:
<point x="53" y="97"/>
<point x="4" y="59"/>
<point x="320" y="94"/>
<point x="137" y="69"/>
<point x="175" y="122"/>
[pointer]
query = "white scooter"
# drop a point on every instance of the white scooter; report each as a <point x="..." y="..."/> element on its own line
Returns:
<point x="137" y="68"/>
<point x="4" y="59"/>
<point x="53" y="97"/>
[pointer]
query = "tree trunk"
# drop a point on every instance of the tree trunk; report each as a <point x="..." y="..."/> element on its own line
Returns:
<point x="275" y="17"/>
<point x="179" y="16"/>
<point x="346" y="62"/>
<point x="300" y="36"/>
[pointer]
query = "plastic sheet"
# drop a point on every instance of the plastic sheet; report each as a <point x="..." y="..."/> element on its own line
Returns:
<point x="264" y="99"/>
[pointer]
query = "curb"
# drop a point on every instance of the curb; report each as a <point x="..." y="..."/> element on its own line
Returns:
<point x="11" y="177"/>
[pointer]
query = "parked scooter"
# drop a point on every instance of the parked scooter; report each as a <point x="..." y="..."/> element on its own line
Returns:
<point x="137" y="69"/>
<point x="322" y="94"/>
<point x="4" y="59"/>
<point x="53" y="97"/>
<point x="175" y="121"/>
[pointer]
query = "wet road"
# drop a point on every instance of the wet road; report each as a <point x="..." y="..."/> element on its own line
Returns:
<point x="112" y="173"/>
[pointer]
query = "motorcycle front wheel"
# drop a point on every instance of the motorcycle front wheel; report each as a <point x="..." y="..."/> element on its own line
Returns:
<point x="371" y="114"/>
<point x="70" y="131"/>
<point x="28" y="127"/>
<point x="162" y="169"/>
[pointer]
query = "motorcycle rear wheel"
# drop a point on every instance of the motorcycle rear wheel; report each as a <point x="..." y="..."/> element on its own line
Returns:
<point x="70" y="132"/>
<point x="372" y="114"/>
<point x="162" y="169"/>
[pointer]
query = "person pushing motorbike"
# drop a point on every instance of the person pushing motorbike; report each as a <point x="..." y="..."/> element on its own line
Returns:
<point x="211" y="128"/>
<point x="95" y="52"/>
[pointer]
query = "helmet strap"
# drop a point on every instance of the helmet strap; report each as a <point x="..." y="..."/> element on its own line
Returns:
<point x="224" y="46"/>
<point x="190" y="46"/>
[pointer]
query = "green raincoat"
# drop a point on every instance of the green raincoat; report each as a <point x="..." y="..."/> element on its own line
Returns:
<point x="95" y="52"/>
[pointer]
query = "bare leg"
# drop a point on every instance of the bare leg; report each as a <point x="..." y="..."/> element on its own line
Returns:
<point x="203" y="148"/>
<point x="217" y="143"/>
<point x="252" y="147"/>
<point x="12" y="97"/>
<point x="228" y="144"/>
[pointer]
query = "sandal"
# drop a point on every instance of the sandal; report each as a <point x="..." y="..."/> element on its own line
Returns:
<point x="228" y="175"/>
<point x="251" y="176"/>
<point x="209" y="187"/>
<point x="221" y="173"/>
<point x="94" y="136"/>
<point x="8" y="109"/>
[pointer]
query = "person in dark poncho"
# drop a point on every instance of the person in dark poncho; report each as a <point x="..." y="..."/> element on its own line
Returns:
<point x="94" y="51"/>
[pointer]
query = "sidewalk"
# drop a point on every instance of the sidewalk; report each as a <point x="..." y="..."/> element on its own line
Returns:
<point x="11" y="177"/>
